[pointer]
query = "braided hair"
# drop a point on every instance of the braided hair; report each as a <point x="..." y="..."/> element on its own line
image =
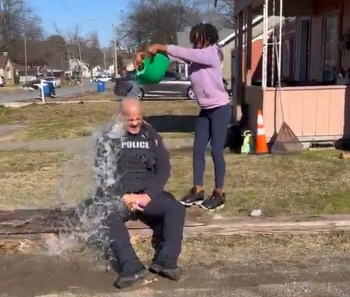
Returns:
<point x="203" y="35"/>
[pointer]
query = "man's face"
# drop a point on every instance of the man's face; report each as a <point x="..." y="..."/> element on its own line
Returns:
<point x="133" y="122"/>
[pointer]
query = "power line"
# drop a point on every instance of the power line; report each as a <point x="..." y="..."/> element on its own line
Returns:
<point x="72" y="11"/>
<point x="65" y="4"/>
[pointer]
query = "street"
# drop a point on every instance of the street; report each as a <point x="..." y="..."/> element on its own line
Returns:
<point x="66" y="91"/>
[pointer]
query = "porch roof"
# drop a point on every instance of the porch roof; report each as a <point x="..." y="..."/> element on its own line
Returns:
<point x="290" y="7"/>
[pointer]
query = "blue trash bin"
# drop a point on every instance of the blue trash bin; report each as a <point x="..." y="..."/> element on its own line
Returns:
<point x="101" y="86"/>
<point x="50" y="86"/>
<point x="46" y="89"/>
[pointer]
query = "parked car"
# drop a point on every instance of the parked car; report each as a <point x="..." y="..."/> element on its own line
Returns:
<point x="31" y="85"/>
<point x="56" y="81"/>
<point x="173" y="84"/>
<point x="101" y="78"/>
<point x="2" y="81"/>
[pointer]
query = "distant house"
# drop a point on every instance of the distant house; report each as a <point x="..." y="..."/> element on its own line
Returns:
<point x="76" y="65"/>
<point x="51" y="68"/>
<point x="8" y="68"/>
<point x="129" y="65"/>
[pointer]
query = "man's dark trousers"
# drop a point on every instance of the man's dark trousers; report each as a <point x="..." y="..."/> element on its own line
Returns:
<point x="164" y="215"/>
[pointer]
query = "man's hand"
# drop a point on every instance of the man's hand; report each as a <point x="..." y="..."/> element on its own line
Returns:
<point x="129" y="199"/>
<point x="157" y="48"/>
<point x="139" y="202"/>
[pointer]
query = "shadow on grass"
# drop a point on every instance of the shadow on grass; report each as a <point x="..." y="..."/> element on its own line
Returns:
<point x="173" y="123"/>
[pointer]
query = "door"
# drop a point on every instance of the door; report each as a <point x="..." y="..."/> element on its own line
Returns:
<point x="304" y="49"/>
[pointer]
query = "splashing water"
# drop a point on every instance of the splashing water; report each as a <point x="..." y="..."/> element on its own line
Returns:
<point x="92" y="173"/>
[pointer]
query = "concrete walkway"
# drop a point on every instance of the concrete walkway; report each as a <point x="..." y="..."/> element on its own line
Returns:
<point x="75" y="144"/>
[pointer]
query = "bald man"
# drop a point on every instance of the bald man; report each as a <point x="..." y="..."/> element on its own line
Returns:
<point x="143" y="170"/>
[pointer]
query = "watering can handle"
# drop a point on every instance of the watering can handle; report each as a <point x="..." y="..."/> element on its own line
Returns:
<point x="246" y="133"/>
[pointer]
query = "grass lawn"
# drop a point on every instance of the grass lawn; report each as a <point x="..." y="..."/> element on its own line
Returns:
<point x="315" y="182"/>
<point x="307" y="183"/>
<point x="57" y="121"/>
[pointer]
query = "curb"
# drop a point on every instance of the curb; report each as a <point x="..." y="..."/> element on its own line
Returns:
<point x="23" y="104"/>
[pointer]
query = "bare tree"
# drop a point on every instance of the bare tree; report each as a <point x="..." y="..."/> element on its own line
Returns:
<point x="19" y="22"/>
<point x="225" y="10"/>
<point x="92" y="50"/>
<point x="56" y="50"/>
<point x="158" y="20"/>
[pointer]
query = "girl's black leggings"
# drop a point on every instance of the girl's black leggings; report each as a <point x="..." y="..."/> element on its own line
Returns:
<point x="211" y="125"/>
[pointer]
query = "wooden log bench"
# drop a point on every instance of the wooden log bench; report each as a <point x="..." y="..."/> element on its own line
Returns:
<point x="40" y="221"/>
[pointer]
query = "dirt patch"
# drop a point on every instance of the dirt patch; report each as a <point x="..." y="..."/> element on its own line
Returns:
<point x="10" y="90"/>
<point x="58" y="121"/>
<point x="226" y="265"/>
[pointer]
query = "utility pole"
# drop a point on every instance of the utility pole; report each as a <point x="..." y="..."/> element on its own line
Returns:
<point x="81" y="69"/>
<point x="104" y="60"/>
<point x="115" y="50"/>
<point x="25" y="59"/>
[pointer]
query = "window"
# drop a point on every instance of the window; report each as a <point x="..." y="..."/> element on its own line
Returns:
<point x="285" y="59"/>
<point x="170" y="75"/>
<point x="330" y="46"/>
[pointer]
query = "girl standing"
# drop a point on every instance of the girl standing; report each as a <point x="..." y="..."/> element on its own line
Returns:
<point x="205" y="74"/>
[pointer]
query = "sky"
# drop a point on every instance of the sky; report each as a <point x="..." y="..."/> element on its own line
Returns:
<point x="67" y="13"/>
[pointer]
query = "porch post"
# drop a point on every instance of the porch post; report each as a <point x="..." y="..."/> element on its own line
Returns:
<point x="240" y="59"/>
<point x="265" y="45"/>
<point x="234" y="73"/>
<point x="248" y="51"/>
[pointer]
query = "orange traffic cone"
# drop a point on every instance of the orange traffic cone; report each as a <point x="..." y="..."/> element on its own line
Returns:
<point x="261" y="143"/>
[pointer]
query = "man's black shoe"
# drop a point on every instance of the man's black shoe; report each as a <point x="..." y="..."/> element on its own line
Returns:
<point x="216" y="201"/>
<point x="166" y="266"/>
<point x="132" y="271"/>
<point x="193" y="198"/>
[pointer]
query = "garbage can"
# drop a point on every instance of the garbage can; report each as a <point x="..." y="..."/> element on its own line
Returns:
<point x="50" y="88"/>
<point x="101" y="86"/>
<point x="46" y="89"/>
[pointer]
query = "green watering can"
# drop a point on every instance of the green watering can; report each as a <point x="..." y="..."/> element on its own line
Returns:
<point x="153" y="69"/>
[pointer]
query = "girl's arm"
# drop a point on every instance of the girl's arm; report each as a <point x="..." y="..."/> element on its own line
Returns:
<point x="177" y="60"/>
<point x="203" y="56"/>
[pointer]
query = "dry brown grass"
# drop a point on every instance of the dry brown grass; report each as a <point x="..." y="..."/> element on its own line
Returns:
<point x="10" y="90"/>
<point x="267" y="248"/>
<point x="297" y="250"/>
<point x="27" y="179"/>
<point x="308" y="183"/>
<point x="57" y="121"/>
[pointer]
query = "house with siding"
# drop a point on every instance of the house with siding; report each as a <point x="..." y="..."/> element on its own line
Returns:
<point x="314" y="99"/>
<point x="8" y="68"/>
<point x="227" y="41"/>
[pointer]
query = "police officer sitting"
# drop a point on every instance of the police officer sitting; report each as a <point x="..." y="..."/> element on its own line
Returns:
<point x="143" y="170"/>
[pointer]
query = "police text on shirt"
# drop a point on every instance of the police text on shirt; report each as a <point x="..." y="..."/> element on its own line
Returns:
<point x="136" y="144"/>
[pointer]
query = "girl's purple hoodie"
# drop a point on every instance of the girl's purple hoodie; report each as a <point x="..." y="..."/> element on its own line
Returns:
<point x="205" y="73"/>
